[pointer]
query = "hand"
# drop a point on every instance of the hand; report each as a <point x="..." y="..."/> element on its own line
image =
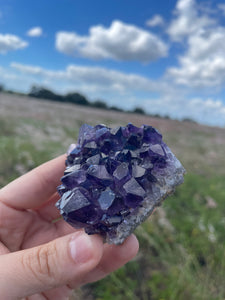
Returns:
<point x="40" y="259"/>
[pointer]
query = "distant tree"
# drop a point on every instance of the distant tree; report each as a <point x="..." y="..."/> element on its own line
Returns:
<point x="115" y="108"/>
<point x="157" y="116"/>
<point x="34" y="91"/>
<point x="189" y="120"/>
<point x="76" y="98"/>
<point x="166" y="117"/>
<point x="43" y="93"/>
<point x="2" y="87"/>
<point x="139" y="110"/>
<point x="99" y="104"/>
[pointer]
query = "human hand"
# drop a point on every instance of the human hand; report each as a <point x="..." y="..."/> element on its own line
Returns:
<point x="40" y="259"/>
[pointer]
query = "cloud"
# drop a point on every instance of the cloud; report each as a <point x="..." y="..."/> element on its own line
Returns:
<point x="202" y="65"/>
<point x="208" y="111"/>
<point x="156" y="20"/>
<point x="35" y="32"/>
<point x="187" y="20"/>
<point x="9" y="42"/>
<point x="121" y="42"/>
<point x="96" y="77"/>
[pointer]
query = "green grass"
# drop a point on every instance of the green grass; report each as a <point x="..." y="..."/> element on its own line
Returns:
<point x="21" y="153"/>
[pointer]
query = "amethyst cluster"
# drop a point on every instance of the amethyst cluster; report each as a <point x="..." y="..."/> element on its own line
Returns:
<point x="115" y="177"/>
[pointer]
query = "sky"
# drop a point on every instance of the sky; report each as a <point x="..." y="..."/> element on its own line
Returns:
<point x="167" y="57"/>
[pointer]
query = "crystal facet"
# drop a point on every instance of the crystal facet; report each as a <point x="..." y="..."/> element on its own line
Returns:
<point x="114" y="178"/>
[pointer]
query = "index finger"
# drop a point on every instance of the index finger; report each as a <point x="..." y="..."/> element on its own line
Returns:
<point x="35" y="187"/>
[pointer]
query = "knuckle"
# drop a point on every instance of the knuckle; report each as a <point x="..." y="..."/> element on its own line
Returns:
<point x="41" y="263"/>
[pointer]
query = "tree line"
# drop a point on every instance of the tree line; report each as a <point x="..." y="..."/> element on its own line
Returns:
<point x="75" y="98"/>
<point x="43" y="93"/>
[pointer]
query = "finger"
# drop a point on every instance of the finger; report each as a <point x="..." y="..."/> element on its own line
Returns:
<point x="48" y="210"/>
<point x="3" y="249"/>
<point x="49" y="266"/>
<point x="61" y="293"/>
<point x="114" y="257"/>
<point x="35" y="187"/>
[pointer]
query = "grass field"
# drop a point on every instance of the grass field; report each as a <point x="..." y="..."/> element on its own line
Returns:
<point x="182" y="246"/>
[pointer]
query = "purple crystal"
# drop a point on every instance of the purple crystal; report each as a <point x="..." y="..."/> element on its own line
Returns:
<point x="106" y="199"/>
<point x="115" y="177"/>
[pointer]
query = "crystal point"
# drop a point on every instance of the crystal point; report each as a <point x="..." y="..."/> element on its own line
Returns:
<point x="106" y="199"/>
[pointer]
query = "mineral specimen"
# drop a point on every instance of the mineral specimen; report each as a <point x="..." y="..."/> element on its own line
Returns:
<point x="114" y="178"/>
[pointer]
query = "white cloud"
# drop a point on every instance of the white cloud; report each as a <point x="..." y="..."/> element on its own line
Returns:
<point x="10" y="42"/>
<point x="35" y="32"/>
<point x="96" y="77"/>
<point x="122" y="42"/>
<point x="156" y="20"/>
<point x="34" y="70"/>
<point x="203" y="63"/>
<point x="187" y="20"/>
<point x="208" y="111"/>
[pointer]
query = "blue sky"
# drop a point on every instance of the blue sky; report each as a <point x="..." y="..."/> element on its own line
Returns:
<point x="166" y="56"/>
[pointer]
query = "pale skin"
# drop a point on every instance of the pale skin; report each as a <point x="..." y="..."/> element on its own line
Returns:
<point x="41" y="259"/>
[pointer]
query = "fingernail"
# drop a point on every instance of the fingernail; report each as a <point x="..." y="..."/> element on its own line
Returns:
<point x="81" y="248"/>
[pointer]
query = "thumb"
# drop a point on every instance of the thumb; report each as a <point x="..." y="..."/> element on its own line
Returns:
<point x="64" y="260"/>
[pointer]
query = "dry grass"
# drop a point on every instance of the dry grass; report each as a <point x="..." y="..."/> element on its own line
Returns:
<point x="201" y="148"/>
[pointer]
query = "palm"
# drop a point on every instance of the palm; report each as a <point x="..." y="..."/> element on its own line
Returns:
<point x="22" y="229"/>
<point x="27" y="212"/>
